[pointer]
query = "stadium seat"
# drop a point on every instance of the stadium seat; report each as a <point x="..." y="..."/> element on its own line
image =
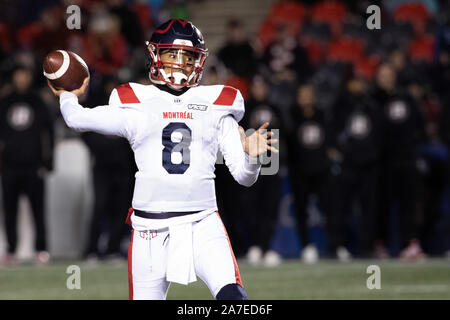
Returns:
<point x="329" y="12"/>
<point x="143" y="13"/>
<point x="421" y="49"/>
<point x="366" y="67"/>
<point x="314" y="49"/>
<point x="266" y="33"/>
<point x="345" y="49"/>
<point x="5" y="38"/>
<point x="289" y="13"/>
<point x="414" y="13"/>
<point x="26" y="34"/>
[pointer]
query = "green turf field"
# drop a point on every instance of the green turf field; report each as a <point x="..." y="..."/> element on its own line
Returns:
<point x="429" y="279"/>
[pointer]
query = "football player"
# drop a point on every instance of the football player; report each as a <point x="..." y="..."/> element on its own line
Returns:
<point x="176" y="127"/>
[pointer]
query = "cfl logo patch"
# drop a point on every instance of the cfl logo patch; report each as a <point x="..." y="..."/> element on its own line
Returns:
<point x="147" y="235"/>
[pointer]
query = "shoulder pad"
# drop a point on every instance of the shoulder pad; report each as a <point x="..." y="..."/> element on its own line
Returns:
<point x="226" y="96"/>
<point x="230" y="101"/>
<point x="130" y="93"/>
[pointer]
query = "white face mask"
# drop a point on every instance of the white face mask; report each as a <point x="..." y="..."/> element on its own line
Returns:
<point x="175" y="79"/>
<point x="178" y="61"/>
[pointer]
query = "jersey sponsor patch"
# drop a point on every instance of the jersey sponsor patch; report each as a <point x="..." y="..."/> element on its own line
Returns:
<point x="200" y="107"/>
<point x="126" y="94"/>
<point x="226" y="97"/>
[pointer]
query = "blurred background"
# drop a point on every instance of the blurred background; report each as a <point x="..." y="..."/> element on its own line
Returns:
<point x="364" y="119"/>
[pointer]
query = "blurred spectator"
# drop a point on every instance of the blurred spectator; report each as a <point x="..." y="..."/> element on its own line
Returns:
<point x="260" y="202"/>
<point x="26" y="137"/>
<point x="129" y="23"/>
<point x="399" y="61"/>
<point x="356" y="141"/>
<point x="403" y="131"/>
<point x="308" y="162"/>
<point x="444" y="132"/>
<point x="441" y="68"/>
<point x="285" y="55"/>
<point x="46" y="34"/>
<point x="104" y="48"/>
<point x="237" y="54"/>
<point x="113" y="177"/>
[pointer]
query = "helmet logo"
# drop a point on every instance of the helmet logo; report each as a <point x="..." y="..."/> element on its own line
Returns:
<point x="183" y="42"/>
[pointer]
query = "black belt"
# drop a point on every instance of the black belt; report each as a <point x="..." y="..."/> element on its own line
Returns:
<point x="161" y="215"/>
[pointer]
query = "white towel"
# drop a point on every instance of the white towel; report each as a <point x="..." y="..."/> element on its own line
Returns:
<point x="180" y="260"/>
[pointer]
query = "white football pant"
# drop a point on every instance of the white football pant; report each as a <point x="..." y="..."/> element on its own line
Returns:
<point x="214" y="260"/>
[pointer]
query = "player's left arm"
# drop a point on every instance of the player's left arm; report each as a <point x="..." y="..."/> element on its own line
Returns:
<point x="241" y="152"/>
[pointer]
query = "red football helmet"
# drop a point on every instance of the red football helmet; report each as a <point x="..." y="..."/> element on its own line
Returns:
<point x="176" y="54"/>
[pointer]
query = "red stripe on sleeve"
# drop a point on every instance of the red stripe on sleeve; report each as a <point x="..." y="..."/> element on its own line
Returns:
<point x="227" y="96"/>
<point x="126" y="94"/>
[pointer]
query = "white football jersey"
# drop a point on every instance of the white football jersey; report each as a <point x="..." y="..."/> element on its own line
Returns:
<point x="175" y="139"/>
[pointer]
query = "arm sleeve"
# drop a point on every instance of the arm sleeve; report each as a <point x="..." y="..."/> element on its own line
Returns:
<point x="119" y="121"/>
<point x="243" y="168"/>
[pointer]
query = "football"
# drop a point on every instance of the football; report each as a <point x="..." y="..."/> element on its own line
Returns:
<point x="65" y="70"/>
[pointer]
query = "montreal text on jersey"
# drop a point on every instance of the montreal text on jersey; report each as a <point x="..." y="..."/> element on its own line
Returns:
<point x="177" y="115"/>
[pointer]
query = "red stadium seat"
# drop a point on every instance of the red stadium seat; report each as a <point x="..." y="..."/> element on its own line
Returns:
<point x="413" y="13"/>
<point x="314" y="49"/>
<point x="143" y="13"/>
<point x="421" y="49"/>
<point x="289" y="13"/>
<point x="5" y="38"/>
<point x="26" y="34"/>
<point x="330" y="12"/>
<point x="345" y="50"/>
<point x="266" y="33"/>
<point x="366" y="67"/>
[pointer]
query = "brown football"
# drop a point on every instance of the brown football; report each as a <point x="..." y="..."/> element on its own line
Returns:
<point x="65" y="70"/>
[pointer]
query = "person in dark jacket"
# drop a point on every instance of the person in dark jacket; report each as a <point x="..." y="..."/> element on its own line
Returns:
<point x="403" y="132"/>
<point x="356" y="130"/>
<point x="308" y="162"/>
<point x="444" y="133"/>
<point x="27" y="141"/>
<point x="262" y="217"/>
<point x="237" y="54"/>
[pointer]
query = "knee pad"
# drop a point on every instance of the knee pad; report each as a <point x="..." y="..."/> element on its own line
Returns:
<point x="231" y="291"/>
